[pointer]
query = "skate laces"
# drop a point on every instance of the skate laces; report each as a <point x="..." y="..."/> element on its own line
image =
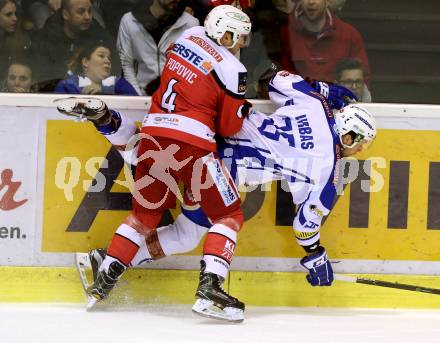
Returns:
<point x="226" y="293"/>
<point x="218" y="282"/>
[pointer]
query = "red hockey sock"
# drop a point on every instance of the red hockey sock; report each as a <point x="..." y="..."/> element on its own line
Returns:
<point x="125" y="244"/>
<point x="218" y="249"/>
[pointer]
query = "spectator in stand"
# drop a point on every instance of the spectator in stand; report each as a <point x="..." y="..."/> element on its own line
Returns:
<point x="254" y="57"/>
<point x="38" y="11"/>
<point x="202" y="7"/>
<point x="19" y="78"/>
<point x="97" y="13"/>
<point x="91" y="67"/>
<point x="243" y="4"/>
<point x="315" y="40"/>
<point x="113" y="10"/>
<point x="14" y="40"/>
<point x="336" y="5"/>
<point x="285" y="6"/>
<point x="264" y="47"/>
<point x="71" y="27"/>
<point x="144" y="36"/>
<point x="350" y="73"/>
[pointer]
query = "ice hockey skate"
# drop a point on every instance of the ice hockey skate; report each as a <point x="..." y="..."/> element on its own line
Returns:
<point x="213" y="302"/>
<point x="103" y="282"/>
<point x="92" y="109"/>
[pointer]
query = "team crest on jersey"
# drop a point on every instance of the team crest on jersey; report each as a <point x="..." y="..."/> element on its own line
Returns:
<point x="242" y="80"/>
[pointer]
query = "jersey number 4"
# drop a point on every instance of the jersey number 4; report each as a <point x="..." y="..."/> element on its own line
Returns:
<point x="169" y="97"/>
<point x="272" y="131"/>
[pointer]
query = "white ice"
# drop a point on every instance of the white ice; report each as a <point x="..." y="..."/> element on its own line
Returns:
<point x="68" y="323"/>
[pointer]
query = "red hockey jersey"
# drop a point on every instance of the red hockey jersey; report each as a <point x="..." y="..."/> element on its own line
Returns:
<point x="201" y="92"/>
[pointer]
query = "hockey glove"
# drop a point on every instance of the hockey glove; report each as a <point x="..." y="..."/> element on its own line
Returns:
<point x="91" y="109"/>
<point x="319" y="267"/>
<point x="337" y="96"/>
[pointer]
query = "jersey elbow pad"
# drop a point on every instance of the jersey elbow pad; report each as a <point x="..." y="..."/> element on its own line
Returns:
<point x="307" y="225"/>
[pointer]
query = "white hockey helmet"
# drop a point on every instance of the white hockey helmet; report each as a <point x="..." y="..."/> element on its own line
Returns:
<point x="355" y="119"/>
<point x="226" y="18"/>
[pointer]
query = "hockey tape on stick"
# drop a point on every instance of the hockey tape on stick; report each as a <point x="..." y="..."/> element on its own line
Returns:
<point x="381" y="283"/>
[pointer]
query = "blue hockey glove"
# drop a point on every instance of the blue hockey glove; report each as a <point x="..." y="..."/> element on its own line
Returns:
<point x="337" y="96"/>
<point x="319" y="267"/>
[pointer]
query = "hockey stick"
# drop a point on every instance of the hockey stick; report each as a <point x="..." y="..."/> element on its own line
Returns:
<point x="388" y="284"/>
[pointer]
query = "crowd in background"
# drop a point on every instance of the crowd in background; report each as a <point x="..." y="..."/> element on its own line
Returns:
<point x="119" y="46"/>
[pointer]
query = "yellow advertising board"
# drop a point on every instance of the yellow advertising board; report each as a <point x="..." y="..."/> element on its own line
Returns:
<point x="400" y="220"/>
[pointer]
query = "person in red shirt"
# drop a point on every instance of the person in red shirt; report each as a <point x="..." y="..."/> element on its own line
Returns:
<point x="315" y="40"/>
<point x="201" y="95"/>
<point x="240" y="3"/>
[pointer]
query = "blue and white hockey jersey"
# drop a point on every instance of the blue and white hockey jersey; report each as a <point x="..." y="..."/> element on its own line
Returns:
<point x="297" y="143"/>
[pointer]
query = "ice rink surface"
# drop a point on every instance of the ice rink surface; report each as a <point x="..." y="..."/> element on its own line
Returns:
<point x="69" y="323"/>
